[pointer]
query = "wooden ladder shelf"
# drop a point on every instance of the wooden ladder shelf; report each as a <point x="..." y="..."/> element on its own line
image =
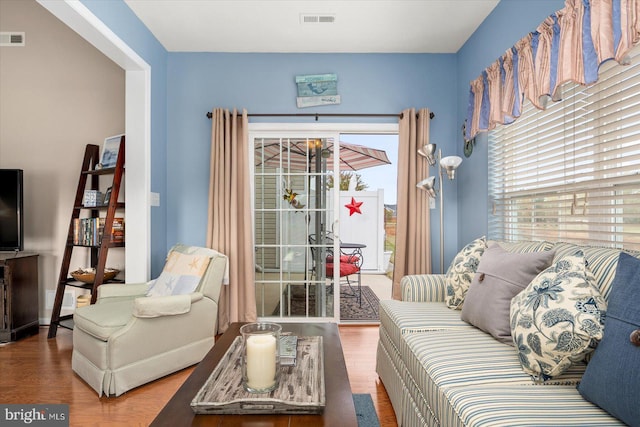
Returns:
<point x="98" y="252"/>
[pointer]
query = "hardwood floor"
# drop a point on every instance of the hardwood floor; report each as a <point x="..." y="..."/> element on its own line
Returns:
<point x="38" y="370"/>
<point x="359" y="345"/>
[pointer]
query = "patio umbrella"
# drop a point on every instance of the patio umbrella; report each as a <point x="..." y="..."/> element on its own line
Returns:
<point x="301" y="154"/>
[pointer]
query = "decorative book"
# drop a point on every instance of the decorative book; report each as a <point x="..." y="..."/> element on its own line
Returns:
<point x="92" y="198"/>
<point x="288" y="350"/>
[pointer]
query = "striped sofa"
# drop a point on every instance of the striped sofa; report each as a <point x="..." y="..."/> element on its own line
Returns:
<point x="440" y="371"/>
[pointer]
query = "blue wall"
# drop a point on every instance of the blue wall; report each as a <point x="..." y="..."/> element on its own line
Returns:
<point x="509" y="22"/>
<point x="264" y="83"/>
<point x="123" y="22"/>
<point x="187" y="85"/>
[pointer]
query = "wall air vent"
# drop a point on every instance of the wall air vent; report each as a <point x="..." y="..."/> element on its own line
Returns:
<point x="11" y="38"/>
<point x="314" y="18"/>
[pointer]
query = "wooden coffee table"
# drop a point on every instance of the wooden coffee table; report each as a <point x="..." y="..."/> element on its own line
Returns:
<point x="339" y="409"/>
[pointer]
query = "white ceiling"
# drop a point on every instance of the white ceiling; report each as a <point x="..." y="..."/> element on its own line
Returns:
<point x="404" y="26"/>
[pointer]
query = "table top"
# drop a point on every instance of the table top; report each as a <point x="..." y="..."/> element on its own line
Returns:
<point x="339" y="410"/>
<point x="5" y="255"/>
<point x="346" y="245"/>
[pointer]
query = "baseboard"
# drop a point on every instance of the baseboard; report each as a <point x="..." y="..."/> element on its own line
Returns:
<point x="45" y="321"/>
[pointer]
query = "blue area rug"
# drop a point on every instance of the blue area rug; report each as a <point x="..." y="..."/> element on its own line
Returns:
<point x="365" y="411"/>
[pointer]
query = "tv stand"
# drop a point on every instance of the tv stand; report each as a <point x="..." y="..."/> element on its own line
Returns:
<point x="18" y="295"/>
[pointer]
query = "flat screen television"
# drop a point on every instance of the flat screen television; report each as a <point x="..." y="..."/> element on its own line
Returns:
<point x="11" y="210"/>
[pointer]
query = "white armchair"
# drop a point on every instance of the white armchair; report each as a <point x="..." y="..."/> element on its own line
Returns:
<point x="128" y="338"/>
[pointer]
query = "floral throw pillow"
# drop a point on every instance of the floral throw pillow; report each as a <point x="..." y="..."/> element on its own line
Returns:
<point x="558" y="319"/>
<point x="461" y="272"/>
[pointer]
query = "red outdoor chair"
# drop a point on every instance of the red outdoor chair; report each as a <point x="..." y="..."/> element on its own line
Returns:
<point x="349" y="265"/>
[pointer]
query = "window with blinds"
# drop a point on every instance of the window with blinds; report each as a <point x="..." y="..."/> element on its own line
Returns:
<point x="572" y="172"/>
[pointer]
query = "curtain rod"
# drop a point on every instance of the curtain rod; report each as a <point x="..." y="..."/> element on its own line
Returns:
<point x="317" y="115"/>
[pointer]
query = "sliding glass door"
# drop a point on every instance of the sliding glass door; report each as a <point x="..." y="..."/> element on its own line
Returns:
<point x="293" y="225"/>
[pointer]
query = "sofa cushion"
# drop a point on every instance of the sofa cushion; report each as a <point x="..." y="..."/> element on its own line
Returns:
<point x="461" y="271"/>
<point x="497" y="405"/>
<point x="399" y="318"/>
<point x="181" y="274"/>
<point x="436" y="360"/>
<point x="602" y="262"/>
<point x="524" y="247"/>
<point x="558" y="318"/>
<point x="500" y="276"/>
<point x="612" y="379"/>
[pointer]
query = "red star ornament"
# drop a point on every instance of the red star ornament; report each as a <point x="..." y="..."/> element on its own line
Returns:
<point x="354" y="207"/>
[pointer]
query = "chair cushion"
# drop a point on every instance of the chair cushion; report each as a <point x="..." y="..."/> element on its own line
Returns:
<point x="461" y="272"/>
<point x="501" y="275"/>
<point x="344" y="258"/>
<point x="345" y="269"/>
<point x="558" y="319"/>
<point x="102" y="320"/>
<point x="612" y="378"/>
<point x="181" y="274"/>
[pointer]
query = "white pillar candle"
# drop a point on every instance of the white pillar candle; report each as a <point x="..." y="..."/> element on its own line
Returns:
<point x="261" y="361"/>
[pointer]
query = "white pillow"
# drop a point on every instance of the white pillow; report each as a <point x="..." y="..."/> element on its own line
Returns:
<point x="181" y="275"/>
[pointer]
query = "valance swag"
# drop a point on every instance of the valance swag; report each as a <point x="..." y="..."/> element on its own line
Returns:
<point x="569" y="45"/>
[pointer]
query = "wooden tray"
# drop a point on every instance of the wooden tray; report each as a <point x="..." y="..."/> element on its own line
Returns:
<point x="301" y="389"/>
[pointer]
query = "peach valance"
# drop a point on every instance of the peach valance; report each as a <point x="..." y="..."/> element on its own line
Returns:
<point x="569" y="45"/>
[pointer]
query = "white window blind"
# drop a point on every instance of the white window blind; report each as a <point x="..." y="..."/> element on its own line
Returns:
<point x="572" y="172"/>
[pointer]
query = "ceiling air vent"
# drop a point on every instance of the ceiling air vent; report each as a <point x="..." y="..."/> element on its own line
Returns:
<point x="11" y="39"/>
<point x="308" y="18"/>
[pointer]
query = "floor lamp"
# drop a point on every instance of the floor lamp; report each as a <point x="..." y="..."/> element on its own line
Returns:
<point x="448" y="164"/>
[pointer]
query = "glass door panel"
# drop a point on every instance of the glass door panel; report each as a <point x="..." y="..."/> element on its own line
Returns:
<point x="290" y="209"/>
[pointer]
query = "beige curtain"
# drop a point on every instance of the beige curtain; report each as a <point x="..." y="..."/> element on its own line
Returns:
<point x="229" y="228"/>
<point x="413" y="235"/>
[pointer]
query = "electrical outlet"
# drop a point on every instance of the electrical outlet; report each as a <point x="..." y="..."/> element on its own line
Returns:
<point x="68" y="301"/>
<point x="432" y="203"/>
<point x="155" y="199"/>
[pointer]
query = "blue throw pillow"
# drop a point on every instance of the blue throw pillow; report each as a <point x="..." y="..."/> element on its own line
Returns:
<point x="612" y="378"/>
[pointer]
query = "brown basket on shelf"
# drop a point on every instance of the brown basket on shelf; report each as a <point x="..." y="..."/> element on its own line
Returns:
<point x="88" y="276"/>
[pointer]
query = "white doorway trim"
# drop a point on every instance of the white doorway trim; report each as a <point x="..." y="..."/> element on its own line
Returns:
<point x="137" y="128"/>
<point x="314" y="130"/>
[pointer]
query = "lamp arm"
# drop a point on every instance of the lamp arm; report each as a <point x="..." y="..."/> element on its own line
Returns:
<point x="441" y="212"/>
<point x="449" y="165"/>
